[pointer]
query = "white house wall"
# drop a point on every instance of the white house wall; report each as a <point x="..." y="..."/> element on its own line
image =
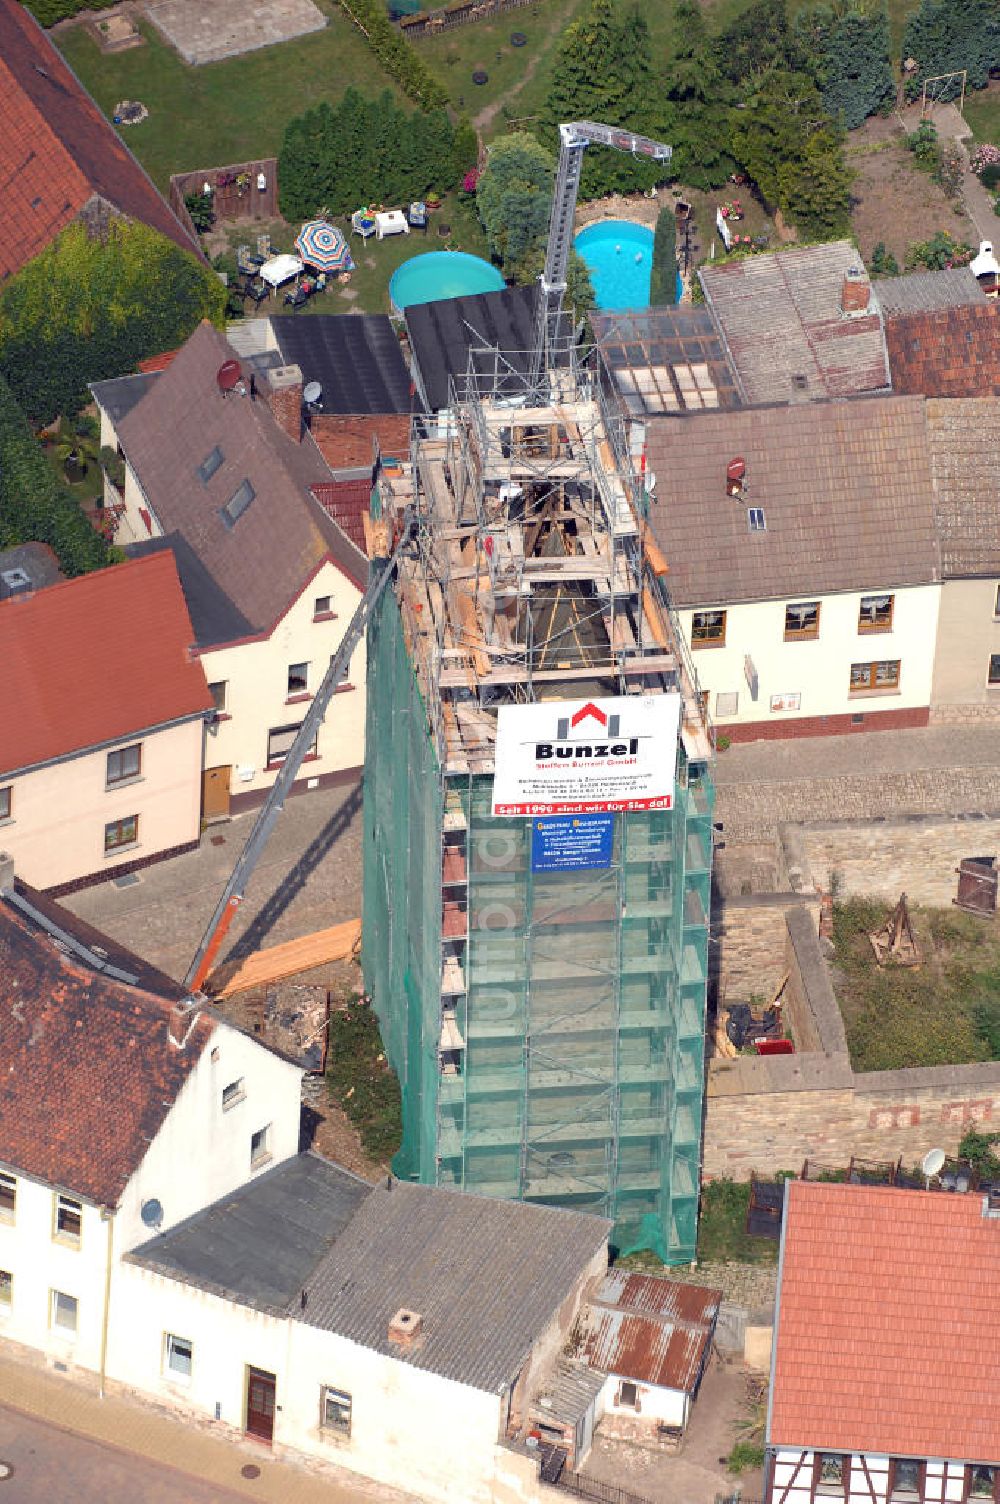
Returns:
<point x="202" y="1151"/>
<point x="869" y="1480"/>
<point x="818" y="669"/>
<point x="256" y="675"/>
<point x="658" y="1406"/>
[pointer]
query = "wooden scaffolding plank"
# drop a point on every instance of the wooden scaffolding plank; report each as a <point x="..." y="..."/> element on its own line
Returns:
<point x="278" y="961"/>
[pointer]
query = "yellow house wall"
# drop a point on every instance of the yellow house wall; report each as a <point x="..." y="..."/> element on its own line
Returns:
<point x="968" y="634"/>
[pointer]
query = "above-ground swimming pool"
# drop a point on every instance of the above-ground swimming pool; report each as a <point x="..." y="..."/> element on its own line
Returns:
<point x="619" y="257"/>
<point x="443" y="274"/>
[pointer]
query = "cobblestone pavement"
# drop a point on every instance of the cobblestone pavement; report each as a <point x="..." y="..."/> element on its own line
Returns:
<point x="308" y="877"/>
<point x="860" y="754"/>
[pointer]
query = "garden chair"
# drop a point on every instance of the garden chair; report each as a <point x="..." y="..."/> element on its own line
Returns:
<point x="296" y="299"/>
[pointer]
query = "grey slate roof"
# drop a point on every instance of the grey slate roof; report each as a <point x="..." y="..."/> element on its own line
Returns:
<point x="258" y="1245"/>
<point x="214" y="617"/>
<point x="924" y="292"/>
<point x="845" y="488"/>
<point x="486" y="1276"/>
<point x="37" y="561"/>
<point x="964" y="441"/>
<point x="355" y="357"/>
<point x="787" y="337"/>
<point x="119" y="395"/>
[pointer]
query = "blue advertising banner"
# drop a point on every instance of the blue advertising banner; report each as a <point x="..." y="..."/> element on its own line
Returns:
<point x="566" y="843"/>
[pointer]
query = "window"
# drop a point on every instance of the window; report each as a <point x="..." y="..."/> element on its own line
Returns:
<point x="279" y="742"/>
<point x="220" y="695"/>
<point x="260" y="1146"/>
<point x="801" y="621"/>
<point x="298" y="678"/>
<point x="994" y="677"/>
<point x="869" y="676"/>
<point x="6" y="803"/>
<point x="124" y="764"/>
<point x="335" y="1410"/>
<point x="69" y="1219"/>
<point x="119" y="833"/>
<point x="8" y="1198"/>
<point x="905" y="1478"/>
<point x="996" y="603"/>
<point x="875" y="614"/>
<point x="982" y="1482"/>
<point x="831" y="1472"/>
<point x="708" y="629"/>
<point x="177" y="1353"/>
<point x="755" y="519"/>
<point x="209" y="465"/>
<point x="63" y="1311"/>
<point x="238" y="503"/>
<point x="233" y="1093"/>
<point x="727" y="703"/>
<point x="321" y="606"/>
<point x="6" y="1289"/>
<point x="628" y="1395"/>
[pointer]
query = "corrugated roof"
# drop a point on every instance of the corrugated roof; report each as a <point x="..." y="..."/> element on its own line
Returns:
<point x="568" y="1393"/>
<point x="888" y="1327"/>
<point x="782" y="322"/>
<point x="948" y="352"/>
<point x="666" y="360"/>
<point x="845" y="488"/>
<point x="964" y="441"/>
<point x="653" y="1330"/>
<point x="262" y="562"/>
<point x="57" y="150"/>
<point x="355" y="357"/>
<point x="259" y="1245"/>
<point x="96" y="659"/>
<point x="487" y="1277"/>
<point x="921" y="292"/>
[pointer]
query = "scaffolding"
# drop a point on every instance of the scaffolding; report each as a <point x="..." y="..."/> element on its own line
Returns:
<point x="547" y="1027"/>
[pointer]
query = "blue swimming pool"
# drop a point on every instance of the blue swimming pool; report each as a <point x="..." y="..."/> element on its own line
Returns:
<point x="619" y="256"/>
<point x="441" y="274"/>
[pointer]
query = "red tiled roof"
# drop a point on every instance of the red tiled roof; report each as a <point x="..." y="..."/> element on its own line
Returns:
<point x="888" y="1326"/>
<point x="89" y="1070"/>
<point x="654" y="1330"/>
<point x="96" y="659"/>
<point x="948" y="352"/>
<point x="345" y="441"/>
<point x="156" y="363"/>
<point x="57" y="151"/>
<point x="347" y="502"/>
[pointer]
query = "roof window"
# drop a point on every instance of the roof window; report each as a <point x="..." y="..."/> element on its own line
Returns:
<point x="755" y="517"/>
<point x="209" y="465"/>
<point x="238" y="503"/>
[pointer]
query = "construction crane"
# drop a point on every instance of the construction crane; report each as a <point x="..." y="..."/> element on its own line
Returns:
<point x="574" y="138"/>
<point x="232" y="897"/>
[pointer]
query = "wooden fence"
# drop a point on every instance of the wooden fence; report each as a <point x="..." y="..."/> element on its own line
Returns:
<point x="236" y="190"/>
<point x="431" y="23"/>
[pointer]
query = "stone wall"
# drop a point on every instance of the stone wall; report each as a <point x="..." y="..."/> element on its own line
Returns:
<point x="752" y="938"/>
<point x="916" y="855"/>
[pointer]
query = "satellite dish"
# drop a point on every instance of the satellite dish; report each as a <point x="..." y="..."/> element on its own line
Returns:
<point x="151" y="1213"/>
<point x="932" y="1163"/>
<point x="312" y="393"/>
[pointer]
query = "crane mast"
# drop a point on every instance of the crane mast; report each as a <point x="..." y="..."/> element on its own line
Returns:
<point x="574" y="138"/>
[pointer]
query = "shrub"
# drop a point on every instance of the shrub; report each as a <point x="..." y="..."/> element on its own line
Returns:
<point x="745" y="1454"/>
<point x="951" y="171"/>
<point x="361" y="1081"/>
<point x="48" y="12"/>
<point x="923" y="142"/>
<point x="938" y="253"/>
<point x="201" y="207"/>
<point x="395" y="53"/>
<point x="883" y="262"/>
<point x="663" y="278"/>
<point x="991" y="175"/>
<point x="983" y="157"/>
<point x="513" y="196"/>
<point x="977" y="1150"/>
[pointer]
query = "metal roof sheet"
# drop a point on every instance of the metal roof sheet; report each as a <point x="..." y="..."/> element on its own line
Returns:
<point x="650" y="1329"/>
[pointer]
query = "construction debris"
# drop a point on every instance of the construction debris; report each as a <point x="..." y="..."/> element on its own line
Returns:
<point x="895" y="940"/>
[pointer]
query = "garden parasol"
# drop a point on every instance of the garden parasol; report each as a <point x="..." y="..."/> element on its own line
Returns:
<point x="323" y="246"/>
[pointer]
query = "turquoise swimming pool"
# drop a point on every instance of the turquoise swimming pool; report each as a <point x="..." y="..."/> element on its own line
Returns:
<point x="441" y="274"/>
<point x="619" y="257"/>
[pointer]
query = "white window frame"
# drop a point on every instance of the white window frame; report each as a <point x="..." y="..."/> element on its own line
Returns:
<point x="70" y="1207"/>
<point x="223" y="685"/>
<point x="304" y="676"/>
<point x="120" y="753"/>
<point x="322" y="606"/>
<point x="6" y="1282"/>
<point x="343" y="1402"/>
<point x="6" y="803"/>
<point x="262" y="1155"/>
<point x="8" y="1214"/>
<point x="55" y="1296"/>
<point x="171" y="1345"/>
<point x="234" y="1093"/>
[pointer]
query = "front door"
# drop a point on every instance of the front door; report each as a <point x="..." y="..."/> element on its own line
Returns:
<point x="260" y="1404"/>
<point x="215" y="794"/>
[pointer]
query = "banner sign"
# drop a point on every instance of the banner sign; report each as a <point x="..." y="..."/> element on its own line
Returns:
<point x="570" y="843"/>
<point x="565" y="757"/>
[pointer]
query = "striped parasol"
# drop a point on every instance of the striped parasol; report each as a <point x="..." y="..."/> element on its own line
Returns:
<point x="323" y="246"/>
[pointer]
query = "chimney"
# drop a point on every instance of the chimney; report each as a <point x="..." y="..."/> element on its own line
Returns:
<point x="405" y="1327"/>
<point x="855" y="294"/>
<point x="6" y="872"/>
<point x="284" y="397"/>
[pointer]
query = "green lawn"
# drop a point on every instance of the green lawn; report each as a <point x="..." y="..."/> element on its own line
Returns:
<point x="982" y="111"/>
<point x="223" y="112"/>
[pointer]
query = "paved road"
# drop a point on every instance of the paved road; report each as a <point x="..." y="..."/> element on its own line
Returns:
<point x="308" y="877"/>
<point x="52" y="1466"/>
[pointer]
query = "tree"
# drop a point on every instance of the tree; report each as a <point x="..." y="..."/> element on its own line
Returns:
<point x="603" y="71"/>
<point x="758" y="39"/>
<point x="694" y="104"/>
<point x="944" y="35"/>
<point x="849" y="44"/>
<point x="513" y="198"/>
<point x="34" y="507"/>
<point x="794" y="154"/>
<point x="464" y="148"/>
<point x="580" y="298"/>
<point x="91" y="306"/>
<point x="663" y="278"/>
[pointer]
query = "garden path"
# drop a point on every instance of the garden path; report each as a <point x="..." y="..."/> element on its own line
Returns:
<point x="485" y="118"/>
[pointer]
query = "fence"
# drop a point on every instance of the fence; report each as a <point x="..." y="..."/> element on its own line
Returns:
<point x="430" y="23"/>
<point x="594" y="1489"/>
<point x="236" y="190"/>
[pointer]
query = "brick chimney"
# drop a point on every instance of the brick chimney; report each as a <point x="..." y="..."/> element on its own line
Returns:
<point x="405" y="1327"/>
<point x="855" y="294"/>
<point x="284" y="397"/>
